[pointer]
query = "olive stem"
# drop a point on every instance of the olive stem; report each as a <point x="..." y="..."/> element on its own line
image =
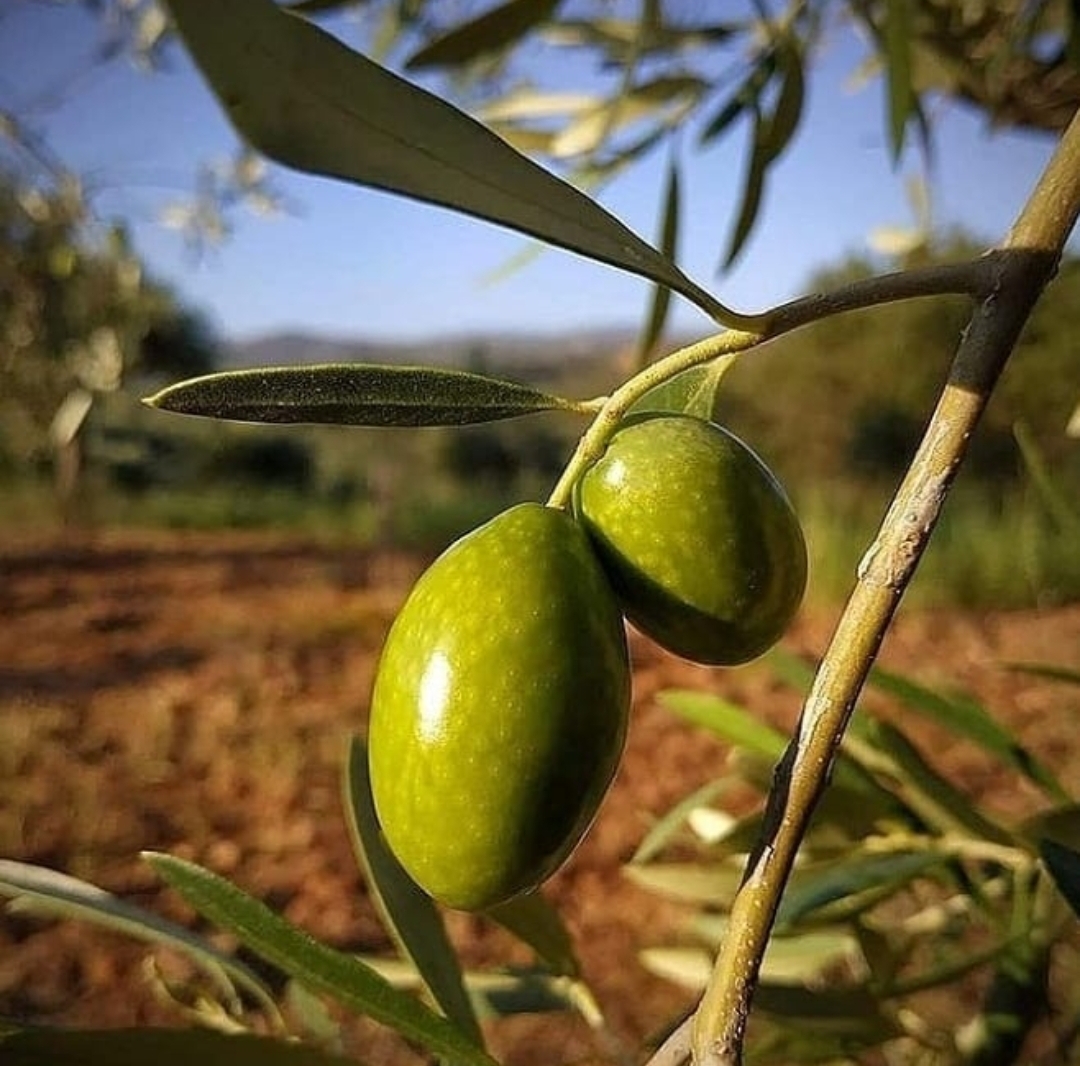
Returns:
<point x="1021" y="268"/>
<point x="973" y="278"/>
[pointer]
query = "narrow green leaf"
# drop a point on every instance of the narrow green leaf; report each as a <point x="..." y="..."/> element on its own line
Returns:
<point x="660" y="303"/>
<point x="853" y="1012"/>
<point x="406" y="910"/>
<point x="1064" y="866"/>
<point x="786" y="115"/>
<point x="61" y="896"/>
<point x="1060" y="824"/>
<point x="321" y="968"/>
<point x="1047" y="670"/>
<point x="929" y="794"/>
<point x="306" y="100"/>
<point x="727" y="720"/>
<point x="966" y="717"/>
<point x="711" y="883"/>
<point x="799" y="957"/>
<point x="535" y="922"/>
<point x="1058" y="503"/>
<point x="753" y="189"/>
<point x="355" y="394"/>
<point x="896" y="44"/>
<point x="162" y="1047"/>
<point x="666" y="827"/>
<point x="745" y="96"/>
<point x="494" y="30"/>
<point x="851" y="877"/>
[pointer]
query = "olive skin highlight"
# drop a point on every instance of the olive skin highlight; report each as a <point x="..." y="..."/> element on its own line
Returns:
<point x="499" y="710"/>
<point x="699" y="539"/>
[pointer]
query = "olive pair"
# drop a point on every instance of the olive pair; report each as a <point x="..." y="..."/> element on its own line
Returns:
<point x="501" y="701"/>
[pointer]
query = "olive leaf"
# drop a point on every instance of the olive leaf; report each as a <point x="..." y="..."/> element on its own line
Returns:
<point x="897" y="51"/>
<point x="1064" y="866"/>
<point x="303" y="98"/>
<point x="693" y="392"/>
<point x="356" y="394"/>
<point x="321" y="968"/>
<point x="408" y="913"/>
<point x="490" y="32"/>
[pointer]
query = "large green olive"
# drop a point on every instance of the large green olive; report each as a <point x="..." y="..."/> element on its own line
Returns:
<point x="699" y="540"/>
<point x="500" y="707"/>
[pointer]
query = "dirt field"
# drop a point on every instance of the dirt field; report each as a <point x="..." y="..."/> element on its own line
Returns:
<point x="194" y="694"/>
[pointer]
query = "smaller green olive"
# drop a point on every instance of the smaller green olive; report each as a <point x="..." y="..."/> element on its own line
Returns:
<point x="700" y="541"/>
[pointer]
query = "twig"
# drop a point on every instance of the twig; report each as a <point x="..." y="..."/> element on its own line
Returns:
<point x="1021" y="268"/>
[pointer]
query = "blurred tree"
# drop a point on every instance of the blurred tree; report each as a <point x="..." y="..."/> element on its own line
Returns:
<point x="77" y="316"/>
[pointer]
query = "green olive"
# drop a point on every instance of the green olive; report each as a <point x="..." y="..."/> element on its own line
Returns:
<point x="701" y="544"/>
<point x="499" y="710"/>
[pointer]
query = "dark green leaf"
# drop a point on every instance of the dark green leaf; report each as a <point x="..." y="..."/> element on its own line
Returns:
<point x="1064" y="866"/>
<point x="1052" y="673"/>
<point x="968" y="718"/>
<point x="931" y="796"/>
<point x="355" y="394"/>
<point x="534" y="921"/>
<point x="753" y="189"/>
<point x="897" y="56"/>
<point x="746" y="96"/>
<point x="787" y="112"/>
<point x="1060" y="824"/>
<point x="159" y="1047"/>
<point x="1058" y="503"/>
<point x="660" y="303"/>
<point x="853" y="1014"/>
<point x="303" y="98"/>
<point x="315" y="965"/>
<point x="493" y="31"/>
<point x="851" y="877"/>
<point x="406" y="910"/>
<point x="727" y="720"/>
<point x="45" y="891"/>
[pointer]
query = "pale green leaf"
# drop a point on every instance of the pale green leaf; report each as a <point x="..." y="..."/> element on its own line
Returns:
<point x="303" y="98"/>
<point x="43" y="891"/>
<point x="727" y="720"/>
<point x="321" y="968"/>
<point x="355" y="394"/>
<point x="712" y="883"/>
<point x="664" y="831"/>
<point x="406" y="910"/>
<point x="495" y="30"/>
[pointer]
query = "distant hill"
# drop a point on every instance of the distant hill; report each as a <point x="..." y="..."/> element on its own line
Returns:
<point x="495" y="349"/>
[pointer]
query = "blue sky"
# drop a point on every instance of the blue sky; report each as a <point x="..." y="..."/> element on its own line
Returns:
<point x="358" y="262"/>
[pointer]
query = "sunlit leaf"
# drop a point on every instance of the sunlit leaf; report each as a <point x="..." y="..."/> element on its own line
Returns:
<point x="693" y="392"/>
<point x="159" y="1047"/>
<point x="494" y="30"/>
<point x="303" y="98"/>
<point x="660" y="303"/>
<point x="726" y="720"/>
<point x="43" y="891"/>
<point x="406" y="910"/>
<point x="713" y="883"/>
<point x="675" y="818"/>
<point x="1064" y="866"/>
<point x="533" y="104"/>
<point x="355" y="394"/>
<point x="319" y="967"/>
